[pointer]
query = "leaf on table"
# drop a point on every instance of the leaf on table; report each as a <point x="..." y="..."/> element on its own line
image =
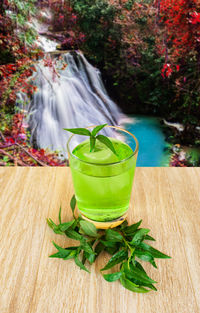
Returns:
<point x="73" y="234"/>
<point x="64" y="226"/>
<point x="132" y="271"/>
<point x="80" y="264"/>
<point x="130" y="230"/>
<point x="112" y="277"/>
<point x="116" y="259"/>
<point x="73" y="204"/>
<point x="113" y="236"/>
<point x="88" y="228"/>
<point x="131" y="286"/>
<point x="139" y="236"/>
<point x="59" y="215"/>
<point x="154" y="252"/>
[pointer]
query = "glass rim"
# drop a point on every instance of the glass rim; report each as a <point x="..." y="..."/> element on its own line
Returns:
<point x="106" y="164"/>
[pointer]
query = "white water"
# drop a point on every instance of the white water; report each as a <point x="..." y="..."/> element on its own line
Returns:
<point x="74" y="97"/>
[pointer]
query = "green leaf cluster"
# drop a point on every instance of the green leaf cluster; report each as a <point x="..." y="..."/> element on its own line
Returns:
<point x="125" y="244"/>
<point x="93" y="136"/>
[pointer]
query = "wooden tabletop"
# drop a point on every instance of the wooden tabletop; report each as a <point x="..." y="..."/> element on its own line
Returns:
<point x="168" y="201"/>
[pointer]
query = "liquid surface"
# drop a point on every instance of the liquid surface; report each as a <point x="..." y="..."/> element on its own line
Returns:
<point x="102" y="154"/>
<point x="103" y="191"/>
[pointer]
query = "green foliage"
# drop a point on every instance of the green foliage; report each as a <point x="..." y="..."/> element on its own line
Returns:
<point x="123" y="242"/>
<point x="96" y="20"/>
<point x="22" y="10"/>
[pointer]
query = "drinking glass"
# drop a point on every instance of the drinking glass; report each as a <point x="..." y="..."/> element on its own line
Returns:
<point x="103" y="190"/>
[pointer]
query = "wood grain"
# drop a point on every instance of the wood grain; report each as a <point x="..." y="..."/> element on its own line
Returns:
<point x="168" y="201"/>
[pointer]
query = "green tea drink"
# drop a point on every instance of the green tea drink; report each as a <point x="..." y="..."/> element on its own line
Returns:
<point x="102" y="180"/>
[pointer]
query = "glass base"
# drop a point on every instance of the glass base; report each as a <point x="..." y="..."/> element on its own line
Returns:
<point x="106" y="225"/>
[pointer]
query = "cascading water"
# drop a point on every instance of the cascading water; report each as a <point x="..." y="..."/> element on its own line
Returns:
<point x="71" y="97"/>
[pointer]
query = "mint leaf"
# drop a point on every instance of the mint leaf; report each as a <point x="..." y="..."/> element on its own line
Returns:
<point x="73" y="234"/>
<point x="124" y="243"/>
<point x="64" y="226"/>
<point x="112" y="277"/>
<point x="113" y="236"/>
<point x="139" y="236"/>
<point x="116" y="259"/>
<point x="106" y="141"/>
<point x="80" y="264"/>
<point x="131" y="286"/>
<point x="135" y="273"/>
<point x="53" y="226"/>
<point x="79" y="131"/>
<point x="147" y="237"/>
<point x="88" y="228"/>
<point x="97" y="129"/>
<point x="59" y="216"/>
<point x="73" y="204"/>
<point x="130" y="230"/>
<point x="154" y="252"/>
<point x="92" y="143"/>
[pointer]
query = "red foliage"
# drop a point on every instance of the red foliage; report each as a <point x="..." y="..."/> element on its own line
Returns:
<point x="181" y="20"/>
<point x="22" y="153"/>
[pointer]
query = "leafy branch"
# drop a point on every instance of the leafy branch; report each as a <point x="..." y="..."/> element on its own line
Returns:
<point x="93" y="136"/>
<point x="125" y="244"/>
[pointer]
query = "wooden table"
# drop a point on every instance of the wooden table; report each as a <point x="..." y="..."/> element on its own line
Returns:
<point x="168" y="201"/>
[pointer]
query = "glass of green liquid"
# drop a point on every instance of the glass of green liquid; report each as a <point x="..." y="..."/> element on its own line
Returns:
<point x="102" y="179"/>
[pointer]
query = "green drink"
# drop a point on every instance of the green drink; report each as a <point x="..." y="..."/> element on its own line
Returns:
<point x="102" y="180"/>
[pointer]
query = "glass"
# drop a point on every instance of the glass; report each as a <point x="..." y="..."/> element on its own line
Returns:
<point x="103" y="189"/>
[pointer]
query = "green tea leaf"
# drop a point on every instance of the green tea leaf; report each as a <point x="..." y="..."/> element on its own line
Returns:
<point x="116" y="259"/>
<point x="131" y="286"/>
<point x="69" y="254"/>
<point x="64" y="226"/>
<point x="92" y="143"/>
<point x="88" y="228"/>
<point x="135" y="281"/>
<point x="109" y="244"/>
<point x="73" y="204"/>
<point x="112" y="235"/>
<point x="147" y="237"/>
<point x="139" y="236"/>
<point x="123" y="225"/>
<point x="106" y="141"/>
<point x="73" y="234"/>
<point x="154" y="252"/>
<point x="138" y="265"/>
<point x="79" y="131"/>
<point x="145" y="256"/>
<point x="89" y="257"/>
<point x="64" y="253"/>
<point x="97" y="129"/>
<point x="135" y="273"/>
<point x="55" y="227"/>
<point x="80" y="264"/>
<point x="112" y="250"/>
<point x="98" y="249"/>
<point x="86" y="247"/>
<point x="112" y="277"/>
<point x="130" y="230"/>
<point x="59" y="216"/>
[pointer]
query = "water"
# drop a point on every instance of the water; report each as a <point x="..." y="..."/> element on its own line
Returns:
<point x="70" y="94"/>
<point x="153" y="149"/>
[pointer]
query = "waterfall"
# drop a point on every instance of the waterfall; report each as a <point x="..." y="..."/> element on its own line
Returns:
<point x="74" y="96"/>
